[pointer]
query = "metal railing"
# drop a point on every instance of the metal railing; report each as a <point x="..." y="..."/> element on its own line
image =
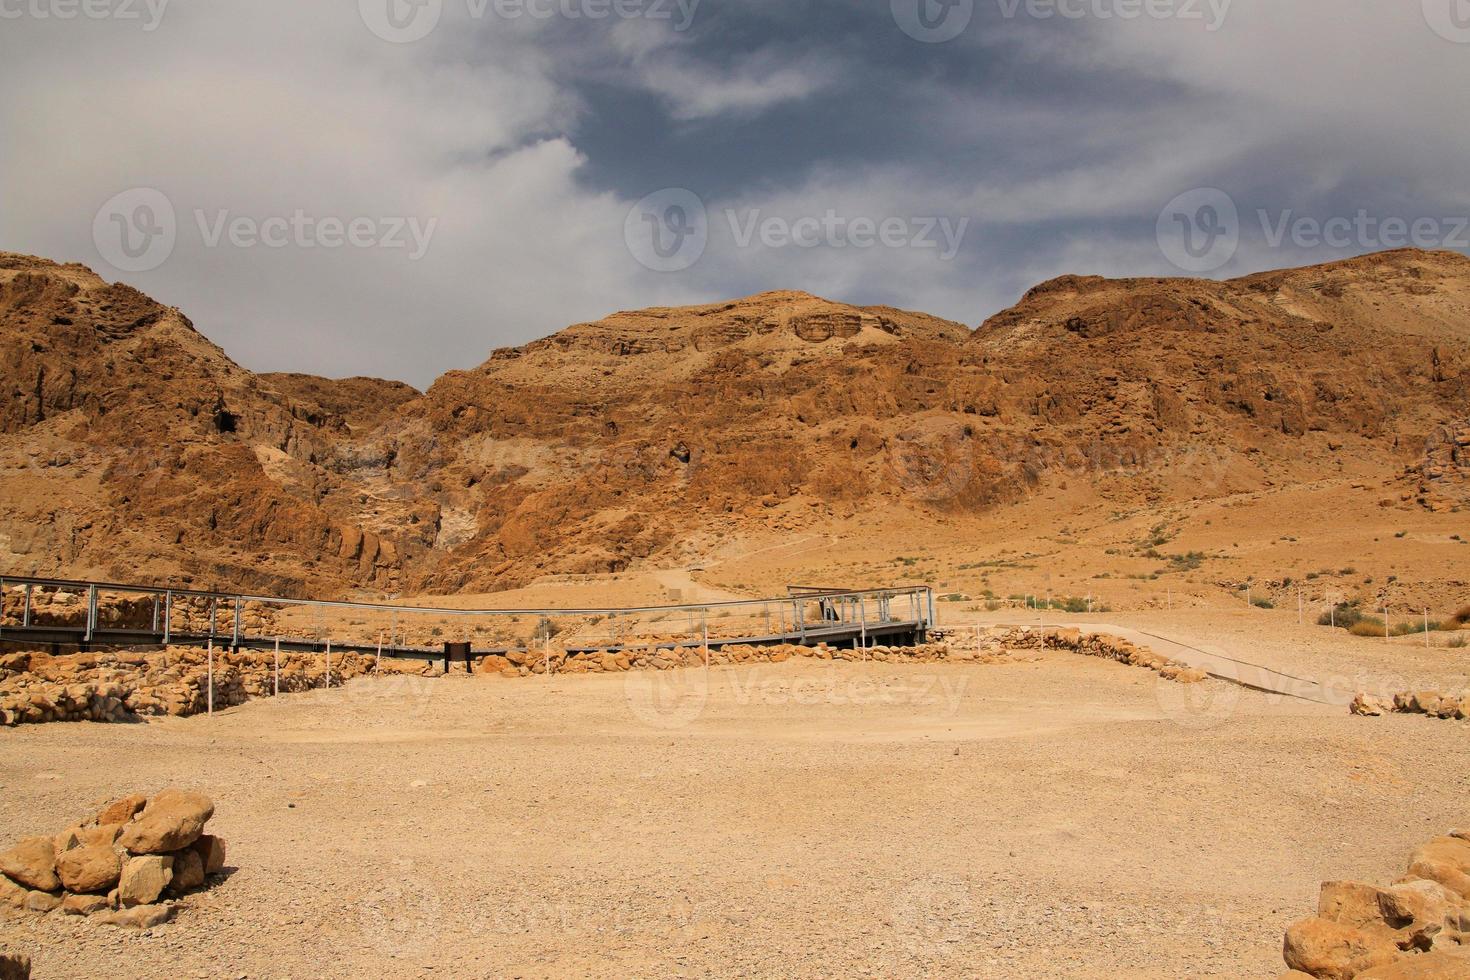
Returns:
<point x="62" y="610"/>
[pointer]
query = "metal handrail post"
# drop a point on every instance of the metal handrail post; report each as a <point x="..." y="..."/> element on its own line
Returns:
<point x="91" y="612"/>
<point x="168" y="616"/>
<point x="235" y="642"/>
<point x="25" y="614"/>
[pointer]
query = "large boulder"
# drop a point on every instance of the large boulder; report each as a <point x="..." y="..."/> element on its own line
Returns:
<point x="172" y="820"/>
<point x="32" y="862"/>
<point x="89" y="869"/>
<point x="1436" y="965"/>
<point x="188" y="872"/>
<point x="83" y="904"/>
<point x="121" y="811"/>
<point x="138" y="917"/>
<point x="1351" y="903"/>
<point x="211" y="850"/>
<point x="1334" y="951"/>
<point x="14" y="966"/>
<point x="1423" y="903"/>
<point x="144" y="878"/>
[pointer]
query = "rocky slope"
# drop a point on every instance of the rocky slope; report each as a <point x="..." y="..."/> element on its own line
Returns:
<point x="132" y="448"/>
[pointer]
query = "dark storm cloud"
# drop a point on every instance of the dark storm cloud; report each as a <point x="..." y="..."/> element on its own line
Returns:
<point x="307" y="160"/>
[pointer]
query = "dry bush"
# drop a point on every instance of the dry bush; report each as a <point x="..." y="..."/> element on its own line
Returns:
<point x="1366" y="627"/>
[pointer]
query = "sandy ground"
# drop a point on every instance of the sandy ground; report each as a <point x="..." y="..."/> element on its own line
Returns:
<point x="1062" y="818"/>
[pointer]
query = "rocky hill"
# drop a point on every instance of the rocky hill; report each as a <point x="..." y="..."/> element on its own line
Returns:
<point x="133" y="448"/>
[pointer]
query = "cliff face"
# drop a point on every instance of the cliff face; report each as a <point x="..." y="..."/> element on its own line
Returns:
<point x="132" y="448"/>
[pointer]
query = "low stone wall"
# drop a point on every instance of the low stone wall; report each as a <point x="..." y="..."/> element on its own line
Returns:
<point x="1418" y="927"/>
<point x="1100" y="645"/>
<point x="1451" y="707"/>
<point x="37" y="687"/>
<point x="519" y="663"/>
<point x="122" y="865"/>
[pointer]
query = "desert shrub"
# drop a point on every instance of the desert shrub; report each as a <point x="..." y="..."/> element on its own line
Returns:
<point x="1460" y="642"/>
<point x="1415" y="626"/>
<point x="1260" y="603"/>
<point x="1344" y="616"/>
<point x="1367" y="626"/>
<point x="991" y="605"/>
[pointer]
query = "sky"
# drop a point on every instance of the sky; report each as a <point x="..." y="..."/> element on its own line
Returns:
<point x="396" y="188"/>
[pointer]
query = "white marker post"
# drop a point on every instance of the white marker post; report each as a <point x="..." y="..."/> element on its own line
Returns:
<point x="1387" y="636"/>
<point x="210" y="695"/>
<point x="329" y="665"/>
<point x="378" y="667"/>
<point x="704" y="633"/>
<point x="278" y="668"/>
<point x="1426" y="629"/>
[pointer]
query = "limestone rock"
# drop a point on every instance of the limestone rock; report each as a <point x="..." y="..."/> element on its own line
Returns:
<point x="211" y="850"/>
<point x="42" y="902"/>
<point x="11" y="893"/>
<point x="121" y="811"/>
<point x="172" y="820"/>
<point x="1436" y="965"/>
<point x="1333" y="951"/>
<point x="83" y="904"/>
<point x="89" y="869"/>
<point x="32" y="862"/>
<point x="138" y="916"/>
<point x="188" y="871"/>
<point x="1350" y="903"/>
<point x="14" y="966"/>
<point x="144" y="879"/>
<point x="1421" y="903"/>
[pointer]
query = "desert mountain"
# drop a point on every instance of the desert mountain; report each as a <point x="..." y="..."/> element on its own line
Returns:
<point x="133" y="448"/>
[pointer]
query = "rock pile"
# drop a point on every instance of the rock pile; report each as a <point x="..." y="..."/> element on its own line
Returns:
<point x="520" y="663"/>
<point x="1455" y="707"/>
<point x="1418" y="927"/>
<point x="122" y="865"/>
<point x="1107" y="647"/>
<point x="37" y="687"/>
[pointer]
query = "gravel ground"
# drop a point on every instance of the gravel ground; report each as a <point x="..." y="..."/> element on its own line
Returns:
<point x="1060" y="818"/>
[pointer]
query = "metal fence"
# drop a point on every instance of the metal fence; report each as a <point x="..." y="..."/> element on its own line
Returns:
<point x="96" y="613"/>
